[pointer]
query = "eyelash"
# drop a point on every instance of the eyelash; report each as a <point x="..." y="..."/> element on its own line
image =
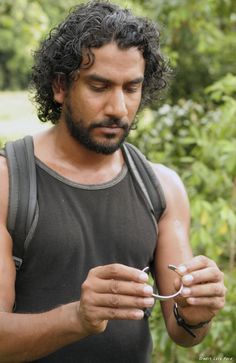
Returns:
<point x="102" y="89"/>
<point x="132" y="90"/>
<point x="98" y="89"/>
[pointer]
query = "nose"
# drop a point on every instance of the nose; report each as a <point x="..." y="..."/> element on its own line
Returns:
<point x="116" y="105"/>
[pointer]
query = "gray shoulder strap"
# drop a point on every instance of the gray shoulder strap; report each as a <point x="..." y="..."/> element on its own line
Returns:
<point x="23" y="210"/>
<point x="146" y="179"/>
<point x="149" y="184"/>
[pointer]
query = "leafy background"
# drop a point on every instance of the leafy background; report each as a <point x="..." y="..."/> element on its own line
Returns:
<point x="192" y="129"/>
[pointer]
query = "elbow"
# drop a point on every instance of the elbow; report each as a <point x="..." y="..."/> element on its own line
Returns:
<point x="184" y="339"/>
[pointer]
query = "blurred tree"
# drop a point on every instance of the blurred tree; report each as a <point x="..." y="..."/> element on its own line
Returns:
<point x="199" y="38"/>
<point x="22" y="24"/>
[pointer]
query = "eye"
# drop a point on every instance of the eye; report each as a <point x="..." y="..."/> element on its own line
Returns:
<point x="132" y="88"/>
<point x="98" y="88"/>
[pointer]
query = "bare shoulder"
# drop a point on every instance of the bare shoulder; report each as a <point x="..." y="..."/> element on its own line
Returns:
<point x="168" y="177"/>
<point x="172" y="185"/>
<point x="7" y="267"/>
<point x="3" y="163"/>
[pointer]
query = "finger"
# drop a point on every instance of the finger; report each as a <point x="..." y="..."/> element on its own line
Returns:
<point x="204" y="290"/>
<point x="180" y="299"/>
<point x="121" y="301"/>
<point x="130" y="288"/>
<point x="210" y="274"/>
<point x="104" y="313"/>
<point x="214" y="303"/>
<point x="196" y="263"/>
<point x="119" y="272"/>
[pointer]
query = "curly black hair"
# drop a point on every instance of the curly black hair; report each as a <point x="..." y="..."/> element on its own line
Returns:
<point x="93" y="25"/>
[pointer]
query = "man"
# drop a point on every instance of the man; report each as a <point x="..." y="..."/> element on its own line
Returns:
<point x="81" y="293"/>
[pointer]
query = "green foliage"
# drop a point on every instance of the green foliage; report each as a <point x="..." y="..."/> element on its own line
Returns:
<point x="199" y="38"/>
<point x="1" y="143"/>
<point x="3" y="140"/>
<point x="22" y="24"/>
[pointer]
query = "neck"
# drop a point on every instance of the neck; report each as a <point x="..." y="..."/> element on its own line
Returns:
<point x="66" y="147"/>
<point x="62" y="153"/>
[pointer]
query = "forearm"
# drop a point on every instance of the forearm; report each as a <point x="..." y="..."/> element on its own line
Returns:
<point x="26" y="337"/>
<point x="181" y="337"/>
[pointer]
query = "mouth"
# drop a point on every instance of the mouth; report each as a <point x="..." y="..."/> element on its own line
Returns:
<point x="109" y="131"/>
<point x="114" y="127"/>
<point x="110" y="126"/>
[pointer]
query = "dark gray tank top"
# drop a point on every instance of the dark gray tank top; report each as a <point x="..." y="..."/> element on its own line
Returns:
<point x="81" y="227"/>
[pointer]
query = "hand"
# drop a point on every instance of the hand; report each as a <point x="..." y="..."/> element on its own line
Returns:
<point x="113" y="292"/>
<point x="204" y="292"/>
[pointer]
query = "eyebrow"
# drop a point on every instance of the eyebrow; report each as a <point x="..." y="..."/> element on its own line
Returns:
<point x="97" y="78"/>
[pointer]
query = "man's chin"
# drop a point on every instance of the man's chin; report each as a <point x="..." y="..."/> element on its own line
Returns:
<point x="105" y="148"/>
<point x="100" y="143"/>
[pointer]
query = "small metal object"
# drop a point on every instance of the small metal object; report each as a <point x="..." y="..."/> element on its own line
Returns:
<point x="172" y="267"/>
<point x="167" y="297"/>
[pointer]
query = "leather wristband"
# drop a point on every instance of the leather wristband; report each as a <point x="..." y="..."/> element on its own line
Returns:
<point x="187" y="327"/>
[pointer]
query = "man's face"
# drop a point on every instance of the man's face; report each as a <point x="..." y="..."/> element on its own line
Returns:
<point x="100" y="107"/>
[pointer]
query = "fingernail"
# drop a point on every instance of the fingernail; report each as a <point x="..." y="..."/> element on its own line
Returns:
<point x="149" y="301"/>
<point x="191" y="301"/>
<point x="182" y="269"/>
<point x="185" y="291"/>
<point x="139" y="314"/>
<point x="143" y="276"/>
<point x="148" y="289"/>
<point x="187" y="278"/>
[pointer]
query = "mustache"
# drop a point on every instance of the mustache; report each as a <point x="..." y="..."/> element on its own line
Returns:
<point x="111" y="122"/>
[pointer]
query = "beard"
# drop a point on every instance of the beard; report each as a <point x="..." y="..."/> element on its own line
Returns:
<point x="83" y="134"/>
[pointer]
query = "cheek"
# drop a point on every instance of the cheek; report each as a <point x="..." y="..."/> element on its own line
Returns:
<point x="87" y="107"/>
<point x="133" y="105"/>
<point x="90" y="104"/>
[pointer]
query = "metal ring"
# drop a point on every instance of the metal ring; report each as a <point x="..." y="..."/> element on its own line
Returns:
<point x="166" y="297"/>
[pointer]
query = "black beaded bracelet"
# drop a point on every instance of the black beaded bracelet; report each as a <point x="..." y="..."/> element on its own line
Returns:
<point x="181" y="322"/>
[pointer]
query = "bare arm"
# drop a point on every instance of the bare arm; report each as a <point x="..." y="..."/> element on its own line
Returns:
<point x="174" y="248"/>
<point x="109" y="292"/>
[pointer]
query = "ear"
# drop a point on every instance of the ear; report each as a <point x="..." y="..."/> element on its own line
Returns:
<point x="59" y="88"/>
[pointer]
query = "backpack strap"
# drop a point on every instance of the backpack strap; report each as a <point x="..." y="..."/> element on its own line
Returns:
<point x="149" y="184"/>
<point x="147" y="180"/>
<point x="23" y="206"/>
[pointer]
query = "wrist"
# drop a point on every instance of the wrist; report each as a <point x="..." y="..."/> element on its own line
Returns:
<point x="186" y="325"/>
<point x="73" y="321"/>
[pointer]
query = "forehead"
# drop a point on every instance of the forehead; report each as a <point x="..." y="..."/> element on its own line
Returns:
<point x="115" y="64"/>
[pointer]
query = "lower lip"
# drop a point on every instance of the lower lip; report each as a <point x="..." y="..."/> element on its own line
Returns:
<point x="110" y="130"/>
